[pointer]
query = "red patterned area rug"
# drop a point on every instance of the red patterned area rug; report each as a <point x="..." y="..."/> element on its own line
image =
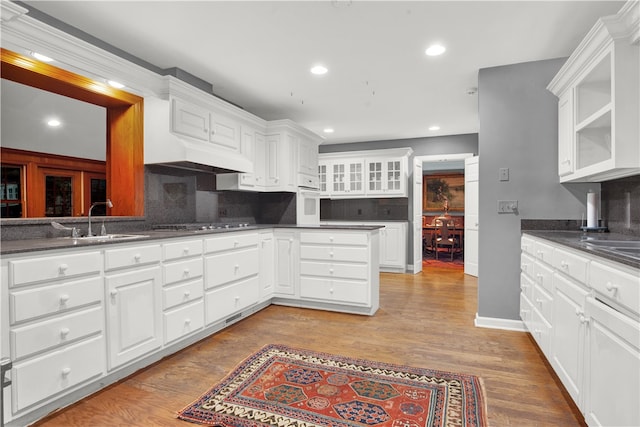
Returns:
<point x="284" y="387"/>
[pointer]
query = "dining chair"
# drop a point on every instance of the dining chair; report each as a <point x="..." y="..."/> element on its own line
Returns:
<point x="443" y="238"/>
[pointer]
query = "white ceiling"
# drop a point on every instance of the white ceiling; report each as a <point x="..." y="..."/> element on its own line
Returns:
<point x="380" y="84"/>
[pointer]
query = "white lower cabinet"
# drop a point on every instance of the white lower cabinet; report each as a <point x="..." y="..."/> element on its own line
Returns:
<point x="56" y="323"/>
<point x="335" y="268"/>
<point x="584" y="313"/>
<point x="267" y="265"/>
<point x="134" y="314"/>
<point x="612" y="369"/>
<point x="232" y="264"/>
<point x="122" y="306"/>
<point x="286" y="260"/>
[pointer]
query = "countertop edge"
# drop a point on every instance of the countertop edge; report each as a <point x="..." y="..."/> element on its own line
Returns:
<point x="576" y="239"/>
<point x="9" y="247"/>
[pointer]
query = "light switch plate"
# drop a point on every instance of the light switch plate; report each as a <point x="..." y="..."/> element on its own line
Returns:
<point x="507" y="206"/>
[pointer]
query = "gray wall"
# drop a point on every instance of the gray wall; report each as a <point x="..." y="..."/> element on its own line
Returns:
<point x="518" y="130"/>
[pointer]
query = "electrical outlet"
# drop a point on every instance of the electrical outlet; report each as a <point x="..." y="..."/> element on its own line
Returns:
<point x="503" y="174"/>
<point x="222" y="212"/>
<point x="507" y="206"/>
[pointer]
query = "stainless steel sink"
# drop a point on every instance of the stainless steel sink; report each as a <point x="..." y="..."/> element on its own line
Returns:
<point x="108" y="237"/>
<point x="629" y="248"/>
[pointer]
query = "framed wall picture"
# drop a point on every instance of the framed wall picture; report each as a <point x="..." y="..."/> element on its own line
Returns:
<point x="439" y="190"/>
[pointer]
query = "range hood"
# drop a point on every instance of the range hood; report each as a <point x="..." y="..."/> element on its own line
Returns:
<point x="163" y="147"/>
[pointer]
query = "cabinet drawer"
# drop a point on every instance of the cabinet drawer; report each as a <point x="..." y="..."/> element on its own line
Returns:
<point x="183" y="321"/>
<point x="334" y="290"/>
<point x="527" y="245"/>
<point x="234" y="240"/>
<point x="132" y="256"/>
<point x="543" y="252"/>
<point x="39" y="378"/>
<point x="182" y="249"/>
<point x="526" y="312"/>
<point x="526" y="264"/>
<point x="310" y="181"/>
<point x="617" y="285"/>
<point x="573" y="265"/>
<point x="41" y="336"/>
<point x="543" y="276"/>
<point x="22" y="272"/>
<point x="541" y="331"/>
<point x="342" y="253"/>
<point x="180" y="294"/>
<point x="347" y="271"/>
<point x="227" y="300"/>
<point x="228" y="267"/>
<point x="543" y="302"/>
<point x="526" y="286"/>
<point x="31" y="303"/>
<point x="337" y="237"/>
<point x="182" y="270"/>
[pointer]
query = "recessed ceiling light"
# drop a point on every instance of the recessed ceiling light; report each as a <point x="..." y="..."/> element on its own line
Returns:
<point x="41" y="57"/>
<point x="54" y="123"/>
<point x="434" y="127"/>
<point x="319" y="70"/>
<point x="435" y="50"/>
<point x="328" y="130"/>
<point x="115" y="84"/>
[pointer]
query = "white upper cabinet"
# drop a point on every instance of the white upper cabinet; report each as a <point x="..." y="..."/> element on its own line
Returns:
<point x="371" y="173"/>
<point x="598" y="102"/>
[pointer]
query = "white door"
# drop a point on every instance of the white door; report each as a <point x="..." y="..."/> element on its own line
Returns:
<point x="417" y="215"/>
<point x="471" y="201"/>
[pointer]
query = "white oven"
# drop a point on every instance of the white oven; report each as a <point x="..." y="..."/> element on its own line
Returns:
<point x="308" y="206"/>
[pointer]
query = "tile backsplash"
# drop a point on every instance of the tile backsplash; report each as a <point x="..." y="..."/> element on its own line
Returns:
<point x="376" y="209"/>
<point x="620" y="205"/>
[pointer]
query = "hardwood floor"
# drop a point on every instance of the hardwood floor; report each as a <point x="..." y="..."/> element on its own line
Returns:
<point x="426" y="320"/>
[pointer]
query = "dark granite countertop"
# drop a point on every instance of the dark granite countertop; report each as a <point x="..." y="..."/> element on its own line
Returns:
<point x="579" y="240"/>
<point x="32" y="245"/>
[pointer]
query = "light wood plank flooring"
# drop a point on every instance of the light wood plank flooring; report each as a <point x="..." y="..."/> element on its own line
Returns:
<point x="424" y="320"/>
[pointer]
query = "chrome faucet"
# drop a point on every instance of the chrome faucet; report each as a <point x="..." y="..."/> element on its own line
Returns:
<point x="108" y="203"/>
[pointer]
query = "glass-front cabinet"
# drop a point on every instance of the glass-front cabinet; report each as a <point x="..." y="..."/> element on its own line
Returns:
<point x="598" y="102"/>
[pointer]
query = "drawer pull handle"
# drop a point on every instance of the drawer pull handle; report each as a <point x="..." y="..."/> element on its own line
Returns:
<point x="187" y="321"/>
<point x="63" y="299"/>
<point x="185" y="251"/>
<point x="613" y="288"/>
<point x="331" y="238"/>
<point x="236" y="243"/>
<point x="186" y="272"/>
<point x="187" y="294"/>
<point x="331" y="291"/>
<point x="64" y="332"/>
<point x="113" y="293"/>
<point x="331" y="270"/>
<point x="63" y="268"/>
<point x="331" y="254"/>
<point x="539" y="301"/>
<point x="564" y="264"/>
<point x="137" y="257"/>
<point x="236" y="267"/>
<point x="66" y="371"/>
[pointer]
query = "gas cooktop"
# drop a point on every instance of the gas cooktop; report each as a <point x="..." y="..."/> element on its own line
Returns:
<point x="195" y="226"/>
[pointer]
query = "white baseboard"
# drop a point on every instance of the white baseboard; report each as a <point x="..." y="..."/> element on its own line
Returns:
<point x="496" y="323"/>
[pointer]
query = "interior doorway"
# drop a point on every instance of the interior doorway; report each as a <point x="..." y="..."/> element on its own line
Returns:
<point x="448" y="205"/>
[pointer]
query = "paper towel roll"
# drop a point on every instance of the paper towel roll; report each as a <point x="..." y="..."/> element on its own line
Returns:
<point x="592" y="210"/>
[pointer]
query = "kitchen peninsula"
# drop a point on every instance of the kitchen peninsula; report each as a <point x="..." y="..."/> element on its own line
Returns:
<point x="126" y="304"/>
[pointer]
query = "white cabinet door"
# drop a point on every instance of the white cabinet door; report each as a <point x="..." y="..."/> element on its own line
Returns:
<point x="471" y="202"/>
<point x="307" y="157"/>
<point x="346" y="178"/>
<point x="189" y="120"/>
<point x="260" y="163"/>
<point x="134" y="314"/>
<point x="225" y="132"/>
<point x="386" y="177"/>
<point x="568" y="335"/>
<point x="565" y="133"/>
<point x="323" y="175"/>
<point x="267" y="265"/>
<point x="286" y="253"/>
<point x="612" y="390"/>
<point x="280" y="167"/>
<point x="393" y="242"/>
<point x="416" y="215"/>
